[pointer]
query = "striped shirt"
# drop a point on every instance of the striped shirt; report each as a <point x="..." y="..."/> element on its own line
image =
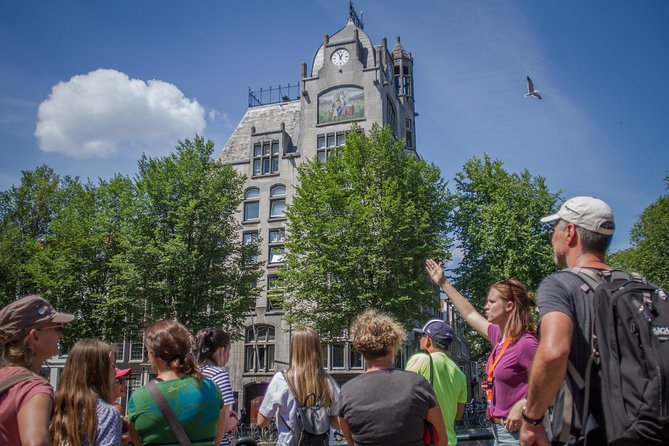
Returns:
<point x="222" y="380"/>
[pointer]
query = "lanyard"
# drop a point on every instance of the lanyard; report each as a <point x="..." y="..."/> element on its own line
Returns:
<point x="491" y="366"/>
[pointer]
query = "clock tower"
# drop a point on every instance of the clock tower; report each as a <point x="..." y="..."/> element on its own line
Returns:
<point x="350" y="82"/>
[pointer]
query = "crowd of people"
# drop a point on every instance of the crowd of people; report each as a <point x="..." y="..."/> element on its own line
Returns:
<point x="190" y="401"/>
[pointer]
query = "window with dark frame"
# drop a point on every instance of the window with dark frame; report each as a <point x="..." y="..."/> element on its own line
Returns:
<point x="276" y="246"/>
<point x="337" y="356"/>
<point x="409" y="133"/>
<point x="272" y="286"/>
<point x="277" y="201"/>
<point x="266" y="158"/>
<point x="259" y="349"/>
<point x="252" y="204"/>
<point x="250" y="238"/>
<point x="327" y="142"/>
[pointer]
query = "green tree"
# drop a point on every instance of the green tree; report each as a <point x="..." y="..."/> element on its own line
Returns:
<point x="26" y="212"/>
<point x="75" y="268"/>
<point x="649" y="254"/>
<point x="181" y="255"/>
<point x="361" y="225"/>
<point x="495" y="220"/>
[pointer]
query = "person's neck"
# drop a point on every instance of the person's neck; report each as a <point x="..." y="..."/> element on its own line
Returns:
<point x="587" y="260"/>
<point x="384" y="362"/>
<point x="35" y="368"/>
<point x="166" y="375"/>
<point x="502" y="328"/>
<point x="434" y="350"/>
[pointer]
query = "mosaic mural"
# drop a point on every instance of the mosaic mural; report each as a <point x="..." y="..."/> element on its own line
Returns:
<point x="341" y="104"/>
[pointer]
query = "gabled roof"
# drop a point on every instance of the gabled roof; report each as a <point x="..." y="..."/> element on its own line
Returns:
<point x="267" y="118"/>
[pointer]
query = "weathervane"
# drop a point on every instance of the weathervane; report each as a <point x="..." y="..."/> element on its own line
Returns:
<point x="352" y="15"/>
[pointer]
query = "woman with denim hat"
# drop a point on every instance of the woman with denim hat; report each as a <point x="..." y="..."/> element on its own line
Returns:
<point x="30" y="329"/>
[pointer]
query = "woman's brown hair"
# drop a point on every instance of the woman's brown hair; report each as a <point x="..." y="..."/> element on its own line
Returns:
<point x="209" y="341"/>
<point x="171" y="342"/>
<point x="520" y="319"/>
<point x="87" y="376"/>
<point x="306" y="371"/>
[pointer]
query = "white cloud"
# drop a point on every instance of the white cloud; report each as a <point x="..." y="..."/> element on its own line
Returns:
<point x="218" y="117"/>
<point x="105" y="112"/>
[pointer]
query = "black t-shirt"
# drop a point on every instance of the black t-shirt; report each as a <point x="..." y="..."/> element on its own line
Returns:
<point x="387" y="407"/>
<point x="562" y="292"/>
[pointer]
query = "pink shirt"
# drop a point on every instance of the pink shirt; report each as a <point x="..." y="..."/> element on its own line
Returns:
<point x="511" y="373"/>
<point x="12" y="400"/>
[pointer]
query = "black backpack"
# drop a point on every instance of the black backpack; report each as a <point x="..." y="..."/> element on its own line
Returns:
<point x="630" y="357"/>
<point x="312" y="427"/>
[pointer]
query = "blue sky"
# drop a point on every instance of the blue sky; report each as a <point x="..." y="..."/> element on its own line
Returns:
<point x="87" y="86"/>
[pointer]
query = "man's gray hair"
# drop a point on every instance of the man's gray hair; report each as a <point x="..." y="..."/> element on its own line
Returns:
<point x="591" y="241"/>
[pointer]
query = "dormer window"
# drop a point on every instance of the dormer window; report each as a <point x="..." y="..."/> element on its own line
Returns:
<point x="266" y="158"/>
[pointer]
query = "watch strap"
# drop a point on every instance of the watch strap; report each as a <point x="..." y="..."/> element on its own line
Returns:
<point x="532" y="421"/>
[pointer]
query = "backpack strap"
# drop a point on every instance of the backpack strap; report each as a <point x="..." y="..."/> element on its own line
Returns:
<point x="431" y="365"/>
<point x="591" y="280"/>
<point x="169" y="414"/>
<point x="20" y="377"/>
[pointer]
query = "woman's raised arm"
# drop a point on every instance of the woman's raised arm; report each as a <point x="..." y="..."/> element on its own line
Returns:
<point x="464" y="307"/>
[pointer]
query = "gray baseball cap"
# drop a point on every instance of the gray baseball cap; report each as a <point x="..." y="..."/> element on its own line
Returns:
<point x="21" y="316"/>
<point x="588" y="213"/>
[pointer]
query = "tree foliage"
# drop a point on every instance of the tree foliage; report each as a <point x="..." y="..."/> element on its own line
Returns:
<point x="26" y="212"/>
<point x="182" y="257"/>
<point x="649" y="254"/>
<point x="123" y="253"/>
<point x="495" y="220"/>
<point x="361" y="225"/>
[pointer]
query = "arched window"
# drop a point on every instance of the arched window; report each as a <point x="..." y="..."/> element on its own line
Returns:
<point x="259" y="348"/>
<point x="277" y="201"/>
<point x="252" y="204"/>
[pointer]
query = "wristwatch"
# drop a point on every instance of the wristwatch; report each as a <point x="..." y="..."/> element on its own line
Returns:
<point x="532" y="421"/>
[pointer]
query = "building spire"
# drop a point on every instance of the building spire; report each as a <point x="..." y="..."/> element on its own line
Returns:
<point x="353" y="16"/>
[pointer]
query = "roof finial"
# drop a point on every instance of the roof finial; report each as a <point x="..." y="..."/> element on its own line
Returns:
<point x="353" y="16"/>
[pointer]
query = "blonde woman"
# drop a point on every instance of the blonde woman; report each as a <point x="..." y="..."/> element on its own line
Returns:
<point x="385" y="405"/>
<point x="84" y="414"/>
<point x="30" y="329"/>
<point x="307" y="375"/>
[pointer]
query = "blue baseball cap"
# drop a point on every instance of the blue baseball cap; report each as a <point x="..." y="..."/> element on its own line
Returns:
<point x="437" y="330"/>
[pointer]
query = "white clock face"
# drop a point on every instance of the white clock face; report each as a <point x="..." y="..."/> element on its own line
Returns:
<point x="339" y="57"/>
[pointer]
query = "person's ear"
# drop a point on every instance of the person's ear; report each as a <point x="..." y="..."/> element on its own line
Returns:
<point x="509" y="305"/>
<point x="33" y="334"/>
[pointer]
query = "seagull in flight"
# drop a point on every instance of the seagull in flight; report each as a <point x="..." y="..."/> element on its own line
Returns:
<point x="530" y="89"/>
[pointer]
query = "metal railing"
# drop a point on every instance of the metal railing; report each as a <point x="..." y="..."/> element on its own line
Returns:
<point x="274" y="95"/>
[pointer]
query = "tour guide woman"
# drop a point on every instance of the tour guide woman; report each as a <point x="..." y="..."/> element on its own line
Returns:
<point x="509" y="327"/>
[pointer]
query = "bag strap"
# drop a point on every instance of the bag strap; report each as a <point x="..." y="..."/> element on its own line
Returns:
<point x="169" y="414"/>
<point x="591" y="280"/>
<point x="20" y="377"/>
<point x="431" y="364"/>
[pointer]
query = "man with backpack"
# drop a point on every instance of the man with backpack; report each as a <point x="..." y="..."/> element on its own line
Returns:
<point x="599" y="350"/>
